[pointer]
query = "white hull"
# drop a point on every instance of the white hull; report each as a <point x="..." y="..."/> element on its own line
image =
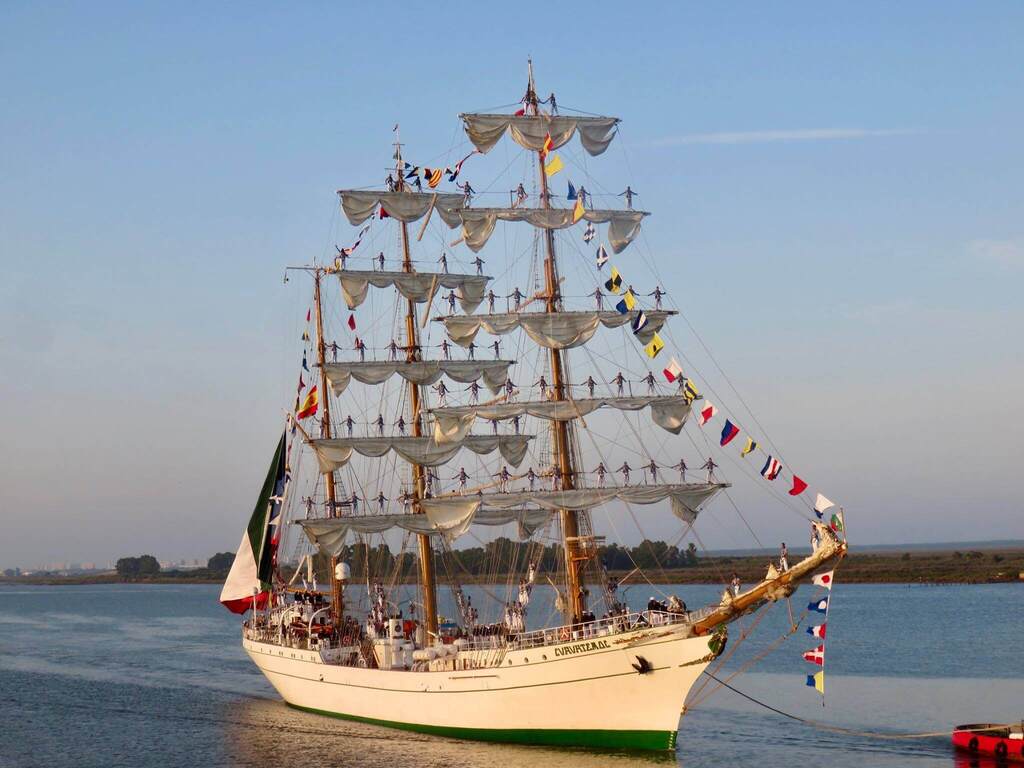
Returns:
<point x="584" y="692"/>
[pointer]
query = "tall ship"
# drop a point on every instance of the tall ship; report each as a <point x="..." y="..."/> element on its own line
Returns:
<point x="450" y="411"/>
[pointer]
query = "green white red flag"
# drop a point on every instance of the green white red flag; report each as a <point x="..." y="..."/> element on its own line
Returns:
<point x="250" y="579"/>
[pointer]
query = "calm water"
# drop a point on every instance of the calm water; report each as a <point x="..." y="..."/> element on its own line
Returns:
<point x="155" y="676"/>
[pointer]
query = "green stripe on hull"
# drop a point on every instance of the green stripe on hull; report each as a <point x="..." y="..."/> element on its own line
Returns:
<point x="561" y="737"/>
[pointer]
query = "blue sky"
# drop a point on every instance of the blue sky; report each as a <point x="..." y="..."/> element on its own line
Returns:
<point x="837" y="207"/>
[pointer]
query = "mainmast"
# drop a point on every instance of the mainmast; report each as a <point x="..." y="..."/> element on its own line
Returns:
<point x="562" y="454"/>
<point x="412" y="353"/>
<point x="325" y="431"/>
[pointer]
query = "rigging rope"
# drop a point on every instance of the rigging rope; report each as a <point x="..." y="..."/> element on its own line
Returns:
<point x="838" y="729"/>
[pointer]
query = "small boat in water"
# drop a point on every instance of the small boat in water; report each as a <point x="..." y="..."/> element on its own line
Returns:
<point x="1005" y="742"/>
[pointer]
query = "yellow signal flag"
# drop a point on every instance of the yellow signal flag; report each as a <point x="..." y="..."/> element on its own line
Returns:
<point x="629" y="300"/>
<point x="690" y="391"/>
<point x="655" y="346"/>
<point x="554" y="165"/>
<point x="749" y="447"/>
<point x="817" y="680"/>
<point x="578" y="210"/>
<point x="309" y="405"/>
<point x="546" y="146"/>
<point x="614" y="283"/>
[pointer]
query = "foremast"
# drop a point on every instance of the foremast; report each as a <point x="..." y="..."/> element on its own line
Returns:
<point x="337" y="607"/>
<point x="428" y="581"/>
<point x="561" y="449"/>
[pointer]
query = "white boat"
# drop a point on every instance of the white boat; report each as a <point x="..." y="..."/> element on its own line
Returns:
<point x="616" y="680"/>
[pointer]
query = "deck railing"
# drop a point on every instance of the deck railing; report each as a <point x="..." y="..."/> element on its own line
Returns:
<point x="612" y="625"/>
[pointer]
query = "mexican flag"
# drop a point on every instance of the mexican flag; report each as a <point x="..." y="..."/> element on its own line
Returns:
<point x="249" y="579"/>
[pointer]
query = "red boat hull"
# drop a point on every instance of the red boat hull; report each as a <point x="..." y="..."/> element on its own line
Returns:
<point x="989" y="740"/>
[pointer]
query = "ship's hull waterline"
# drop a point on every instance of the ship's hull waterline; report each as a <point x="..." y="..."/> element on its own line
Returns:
<point x="581" y="693"/>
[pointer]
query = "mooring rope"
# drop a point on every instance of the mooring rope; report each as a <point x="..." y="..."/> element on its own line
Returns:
<point x="838" y="729"/>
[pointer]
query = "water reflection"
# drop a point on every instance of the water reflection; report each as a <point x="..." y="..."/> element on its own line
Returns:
<point x="265" y="733"/>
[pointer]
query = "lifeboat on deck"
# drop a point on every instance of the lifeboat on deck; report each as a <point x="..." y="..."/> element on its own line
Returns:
<point x="1003" y="742"/>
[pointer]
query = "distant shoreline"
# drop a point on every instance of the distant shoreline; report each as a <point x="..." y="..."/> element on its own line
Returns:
<point x="966" y="566"/>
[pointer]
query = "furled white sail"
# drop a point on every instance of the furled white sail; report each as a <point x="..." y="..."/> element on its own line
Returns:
<point x="686" y="498"/>
<point x="451" y="516"/>
<point x="334" y="453"/>
<point x="453" y="424"/>
<point x="450" y="520"/>
<point x="554" y="330"/>
<point x="530" y="131"/>
<point x="405" y="206"/>
<point x="478" y="223"/>
<point x="415" y="286"/>
<point x="493" y="372"/>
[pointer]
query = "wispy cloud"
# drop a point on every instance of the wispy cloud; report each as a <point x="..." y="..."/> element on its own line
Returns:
<point x="1005" y="253"/>
<point x="794" y="134"/>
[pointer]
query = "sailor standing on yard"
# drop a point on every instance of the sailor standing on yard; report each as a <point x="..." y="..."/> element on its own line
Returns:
<point x="783" y="558"/>
<point x="735" y="585"/>
<point x="518" y="296"/>
<point x="710" y="466"/>
<point x="442" y="392"/>
<point x="657" y="293"/>
<point x="503" y="477"/>
<point x="601" y="471"/>
<point x="649" y="381"/>
<point x="625" y="469"/>
<point x="815" y="538"/>
<point x="618" y="381"/>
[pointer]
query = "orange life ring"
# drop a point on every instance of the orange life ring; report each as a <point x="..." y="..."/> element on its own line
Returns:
<point x="565" y="635"/>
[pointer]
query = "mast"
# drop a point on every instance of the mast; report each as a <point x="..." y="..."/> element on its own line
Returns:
<point x="426" y="552"/>
<point x="337" y="607"/>
<point x="562" y="454"/>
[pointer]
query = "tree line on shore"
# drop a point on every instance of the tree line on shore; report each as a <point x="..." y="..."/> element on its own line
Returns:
<point x="502" y="556"/>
